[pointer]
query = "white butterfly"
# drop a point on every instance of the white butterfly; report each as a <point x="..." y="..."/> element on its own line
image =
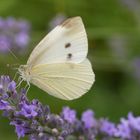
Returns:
<point x="59" y="64"/>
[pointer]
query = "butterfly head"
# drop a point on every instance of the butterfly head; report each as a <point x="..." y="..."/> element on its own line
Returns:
<point x="24" y="73"/>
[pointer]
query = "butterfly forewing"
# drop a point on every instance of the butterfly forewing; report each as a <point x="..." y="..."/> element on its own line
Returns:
<point x="65" y="43"/>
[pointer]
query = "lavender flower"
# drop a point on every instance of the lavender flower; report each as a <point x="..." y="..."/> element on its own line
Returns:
<point x="69" y="114"/>
<point x="21" y="128"/>
<point x="4" y="105"/>
<point x="22" y="39"/>
<point x="107" y="128"/>
<point x="88" y="119"/>
<point x="4" y="43"/>
<point x="28" y="111"/>
<point x="14" y="34"/>
<point x="134" y="122"/>
<point x="123" y="129"/>
<point x="129" y="129"/>
<point x="32" y="119"/>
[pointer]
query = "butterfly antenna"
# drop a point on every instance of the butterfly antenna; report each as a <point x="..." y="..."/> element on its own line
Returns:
<point x="15" y="76"/>
<point x="13" y="54"/>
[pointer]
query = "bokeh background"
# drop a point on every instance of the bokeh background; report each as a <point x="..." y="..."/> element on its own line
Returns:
<point x="113" y="28"/>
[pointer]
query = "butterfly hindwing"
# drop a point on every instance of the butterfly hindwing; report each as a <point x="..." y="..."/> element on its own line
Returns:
<point x="66" y="81"/>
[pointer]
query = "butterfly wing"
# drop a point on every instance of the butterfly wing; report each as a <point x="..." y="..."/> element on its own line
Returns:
<point x="64" y="80"/>
<point x="67" y="42"/>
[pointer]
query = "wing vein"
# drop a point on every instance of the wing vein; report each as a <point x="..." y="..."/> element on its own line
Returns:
<point x="78" y="79"/>
<point x="63" y="94"/>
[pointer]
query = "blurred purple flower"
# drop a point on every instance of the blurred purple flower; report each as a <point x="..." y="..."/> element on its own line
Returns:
<point x="28" y="111"/>
<point x="4" y="43"/>
<point x="134" y="122"/>
<point x="69" y="114"/>
<point x="22" y="39"/>
<point x="23" y="25"/>
<point x="124" y="130"/>
<point x="58" y="19"/>
<point x="1" y="86"/>
<point x="10" y="22"/>
<point x="108" y="128"/>
<point x="88" y="119"/>
<point x="14" y="34"/>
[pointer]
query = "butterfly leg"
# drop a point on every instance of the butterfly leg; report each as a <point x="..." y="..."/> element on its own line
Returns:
<point x="27" y="87"/>
<point x="15" y="76"/>
<point x="19" y="82"/>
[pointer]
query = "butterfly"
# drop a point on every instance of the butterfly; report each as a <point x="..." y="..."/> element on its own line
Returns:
<point x="58" y="64"/>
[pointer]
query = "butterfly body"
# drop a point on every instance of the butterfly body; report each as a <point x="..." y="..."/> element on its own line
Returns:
<point x="58" y="65"/>
<point x="25" y="73"/>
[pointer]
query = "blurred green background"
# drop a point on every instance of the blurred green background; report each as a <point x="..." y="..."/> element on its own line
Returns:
<point x="113" y="28"/>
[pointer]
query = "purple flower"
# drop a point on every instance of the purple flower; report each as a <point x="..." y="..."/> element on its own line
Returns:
<point x="4" y="44"/>
<point x="88" y="119"/>
<point x="7" y="86"/>
<point x="10" y="22"/>
<point x="123" y="129"/>
<point x="23" y="26"/>
<point x="22" y="39"/>
<point x="21" y="128"/>
<point x="12" y="86"/>
<point x="35" y="120"/>
<point x="28" y="111"/>
<point x="4" y="105"/>
<point x="1" y="86"/>
<point x="69" y="114"/>
<point x="134" y="122"/>
<point x="20" y="131"/>
<point x="107" y="128"/>
<point x="14" y="34"/>
<point x="4" y="83"/>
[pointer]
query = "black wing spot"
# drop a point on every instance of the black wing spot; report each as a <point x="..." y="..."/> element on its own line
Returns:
<point x="67" y="45"/>
<point x="69" y="56"/>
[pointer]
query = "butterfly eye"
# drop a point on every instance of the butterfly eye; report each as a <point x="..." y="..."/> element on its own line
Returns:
<point x="67" y="45"/>
<point x="21" y="67"/>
